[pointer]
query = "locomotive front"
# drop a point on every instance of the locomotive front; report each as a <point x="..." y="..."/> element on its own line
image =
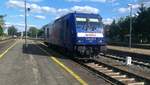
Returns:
<point x="89" y="34"/>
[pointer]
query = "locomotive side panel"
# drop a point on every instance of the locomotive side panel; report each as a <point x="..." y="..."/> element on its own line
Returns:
<point x="69" y="27"/>
<point x="61" y="32"/>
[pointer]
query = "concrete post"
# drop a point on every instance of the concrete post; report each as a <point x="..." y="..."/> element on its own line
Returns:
<point x="128" y="60"/>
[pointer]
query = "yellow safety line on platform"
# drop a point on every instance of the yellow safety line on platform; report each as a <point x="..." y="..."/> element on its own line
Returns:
<point x="1" y="55"/>
<point x="65" y="67"/>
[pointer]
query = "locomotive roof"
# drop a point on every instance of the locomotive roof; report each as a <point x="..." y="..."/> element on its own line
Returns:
<point x="81" y="15"/>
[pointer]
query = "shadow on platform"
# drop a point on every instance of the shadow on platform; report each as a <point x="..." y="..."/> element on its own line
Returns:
<point x="32" y="49"/>
<point x="35" y="50"/>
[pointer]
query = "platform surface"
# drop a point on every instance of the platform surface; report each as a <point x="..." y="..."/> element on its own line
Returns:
<point x="31" y="66"/>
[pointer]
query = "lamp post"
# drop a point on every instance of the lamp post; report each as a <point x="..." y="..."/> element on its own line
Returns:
<point x="130" y="32"/>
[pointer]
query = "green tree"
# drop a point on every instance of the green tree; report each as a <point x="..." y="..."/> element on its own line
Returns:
<point x="1" y="24"/>
<point x="32" y="32"/>
<point x="114" y="32"/>
<point x="119" y="30"/>
<point x="40" y="32"/>
<point x="2" y="20"/>
<point x="142" y="26"/>
<point x="1" y="31"/>
<point x="12" y="31"/>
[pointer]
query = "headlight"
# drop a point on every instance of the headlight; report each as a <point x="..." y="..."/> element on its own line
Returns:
<point x="79" y="41"/>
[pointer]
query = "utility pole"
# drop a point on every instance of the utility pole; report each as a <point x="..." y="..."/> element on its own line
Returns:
<point x="130" y="34"/>
<point x="25" y="11"/>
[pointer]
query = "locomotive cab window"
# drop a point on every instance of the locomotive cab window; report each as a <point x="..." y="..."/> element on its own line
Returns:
<point x="88" y="24"/>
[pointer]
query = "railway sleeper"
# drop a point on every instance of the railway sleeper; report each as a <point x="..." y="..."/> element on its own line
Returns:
<point x="127" y="81"/>
<point x="101" y="68"/>
<point x="136" y="83"/>
<point x="130" y="81"/>
<point x="113" y="73"/>
<point x="124" y="79"/>
<point x="119" y="76"/>
<point x="133" y="83"/>
<point x="104" y="71"/>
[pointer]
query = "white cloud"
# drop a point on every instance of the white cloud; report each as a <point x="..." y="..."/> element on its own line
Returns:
<point x="107" y="21"/>
<point x="74" y="0"/>
<point x="18" y="24"/>
<point x="21" y="15"/>
<point x="40" y="17"/>
<point x="36" y="0"/>
<point x="123" y="10"/>
<point x="15" y="3"/>
<point x="135" y="6"/>
<point x="57" y="12"/>
<point x="112" y="0"/>
<point x="78" y="9"/>
<point x="34" y="7"/>
<point x="116" y="4"/>
<point x="45" y="9"/>
<point x="101" y="1"/>
<point x="126" y="9"/>
<point x="48" y="9"/>
<point x="85" y="9"/>
<point x="16" y="16"/>
<point x="147" y="4"/>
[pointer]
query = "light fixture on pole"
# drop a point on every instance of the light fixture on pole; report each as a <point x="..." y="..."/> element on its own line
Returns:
<point x="130" y="34"/>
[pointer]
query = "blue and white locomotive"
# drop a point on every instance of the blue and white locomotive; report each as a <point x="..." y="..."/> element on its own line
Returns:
<point x="77" y="32"/>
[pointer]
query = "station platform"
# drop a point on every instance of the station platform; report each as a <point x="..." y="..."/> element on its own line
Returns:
<point x="132" y="50"/>
<point x="29" y="65"/>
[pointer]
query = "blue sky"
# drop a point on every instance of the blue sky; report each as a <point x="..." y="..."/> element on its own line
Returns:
<point x="45" y="11"/>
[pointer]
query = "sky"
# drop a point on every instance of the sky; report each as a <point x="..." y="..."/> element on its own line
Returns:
<point x="46" y="11"/>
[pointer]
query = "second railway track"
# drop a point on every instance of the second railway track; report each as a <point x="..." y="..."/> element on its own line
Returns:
<point x="134" y="61"/>
<point x="112" y="74"/>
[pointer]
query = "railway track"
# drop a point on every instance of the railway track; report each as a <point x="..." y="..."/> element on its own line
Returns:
<point x="5" y="43"/>
<point x="136" y="56"/>
<point x="134" y="61"/>
<point x="112" y="74"/>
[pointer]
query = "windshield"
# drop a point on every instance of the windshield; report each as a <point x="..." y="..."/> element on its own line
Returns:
<point x="88" y="24"/>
